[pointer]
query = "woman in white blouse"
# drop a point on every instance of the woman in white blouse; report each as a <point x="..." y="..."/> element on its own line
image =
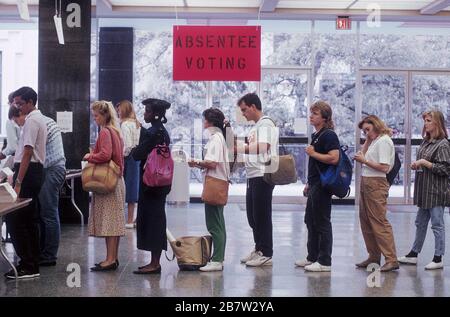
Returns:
<point x="377" y="159"/>
<point x="130" y="130"/>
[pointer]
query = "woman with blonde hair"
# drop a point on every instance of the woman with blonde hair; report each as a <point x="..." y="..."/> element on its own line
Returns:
<point x="431" y="188"/>
<point x="107" y="210"/>
<point x="130" y="131"/>
<point x="377" y="158"/>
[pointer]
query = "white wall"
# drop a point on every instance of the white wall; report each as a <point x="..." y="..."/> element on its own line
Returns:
<point x="19" y="65"/>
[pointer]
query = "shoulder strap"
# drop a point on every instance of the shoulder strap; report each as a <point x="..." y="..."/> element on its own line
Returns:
<point x="113" y="139"/>
<point x="269" y="118"/>
<point x="316" y="138"/>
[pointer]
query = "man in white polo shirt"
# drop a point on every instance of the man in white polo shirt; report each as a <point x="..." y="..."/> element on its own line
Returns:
<point x="23" y="224"/>
<point x="262" y="145"/>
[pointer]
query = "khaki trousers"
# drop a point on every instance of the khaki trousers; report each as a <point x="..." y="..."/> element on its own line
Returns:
<point x="375" y="227"/>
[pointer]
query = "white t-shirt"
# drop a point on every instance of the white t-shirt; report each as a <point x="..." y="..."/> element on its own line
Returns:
<point x="12" y="137"/>
<point x="381" y="151"/>
<point x="264" y="131"/>
<point x="130" y="135"/>
<point x="216" y="151"/>
<point x="34" y="134"/>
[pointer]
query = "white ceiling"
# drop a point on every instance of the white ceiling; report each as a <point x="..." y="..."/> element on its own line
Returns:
<point x="391" y="10"/>
<point x="282" y="4"/>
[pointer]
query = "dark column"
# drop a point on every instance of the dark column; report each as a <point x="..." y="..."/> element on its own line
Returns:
<point x="116" y="64"/>
<point x="64" y="85"/>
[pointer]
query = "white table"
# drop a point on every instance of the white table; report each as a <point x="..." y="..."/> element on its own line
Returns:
<point x="6" y="208"/>
<point x="71" y="175"/>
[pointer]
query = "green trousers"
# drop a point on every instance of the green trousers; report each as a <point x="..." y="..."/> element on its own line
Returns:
<point x="215" y="223"/>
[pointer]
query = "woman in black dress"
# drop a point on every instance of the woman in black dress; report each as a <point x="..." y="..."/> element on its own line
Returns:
<point x="151" y="214"/>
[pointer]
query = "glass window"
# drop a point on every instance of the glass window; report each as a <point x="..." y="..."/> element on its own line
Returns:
<point x="405" y="45"/>
<point x="286" y="43"/>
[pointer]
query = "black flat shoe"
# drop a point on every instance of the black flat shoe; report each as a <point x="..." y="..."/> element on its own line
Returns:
<point x="99" y="268"/>
<point x="51" y="263"/>
<point x="143" y="267"/>
<point x="99" y="263"/>
<point x="155" y="271"/>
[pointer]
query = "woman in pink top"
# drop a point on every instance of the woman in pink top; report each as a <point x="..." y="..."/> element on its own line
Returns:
<point x="106" y="218"/>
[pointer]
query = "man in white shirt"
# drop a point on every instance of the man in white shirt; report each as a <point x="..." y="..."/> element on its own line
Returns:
<point x="23" y="224"/>
<point x="262" y="144"/>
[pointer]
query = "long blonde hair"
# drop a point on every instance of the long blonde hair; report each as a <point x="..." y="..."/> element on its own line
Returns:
<point x="438" y="119"/>
<point x="128" y="113"/>
<point x="325" y="112"/>
<point x="378" y="125"/>
<point x="106" y="109"/>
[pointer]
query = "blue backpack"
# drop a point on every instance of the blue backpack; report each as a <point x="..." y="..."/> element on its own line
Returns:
<point x="337" y="178"/>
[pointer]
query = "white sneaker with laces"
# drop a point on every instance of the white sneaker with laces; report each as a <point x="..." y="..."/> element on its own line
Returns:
<point x="317" y="267"/>
<point x="212" y="266"/>
<point x="249" y="257"/>
<point x="434" y="266"/>
<point x="303" y="263"/>
<point x="259" y="260"/>
<point x="407" y="260"/>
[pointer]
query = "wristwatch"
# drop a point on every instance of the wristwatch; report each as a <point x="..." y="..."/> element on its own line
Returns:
<point x="18" y="182"/>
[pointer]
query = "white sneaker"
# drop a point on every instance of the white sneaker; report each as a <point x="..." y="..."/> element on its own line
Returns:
<point x="434" y="266"/>
<point x="249" y="257"/>
<point x="317" y="267"/>
<point x="259" y="260"/>
<point x="407" y="260"/>
<point x="303" y="263"/>
<point x="212" y="266"/>
<point x="129" y="225"/>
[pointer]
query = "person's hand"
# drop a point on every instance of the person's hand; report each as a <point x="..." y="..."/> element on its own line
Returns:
<point x="192" y="163"/>
<point x="368" y="141"/>
<point x="2" y="156"/>
<point x="306" y="190"/>
<point x="422" y="163"/>
<point x="359" y="157"/>
<point x="310" y="150"/>
<point x="415" y="165"/>
<point x="86" y="157"/>
<point x="17" y="188"/>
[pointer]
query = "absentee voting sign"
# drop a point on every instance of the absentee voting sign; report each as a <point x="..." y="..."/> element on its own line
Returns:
<point x="217" y="53"/>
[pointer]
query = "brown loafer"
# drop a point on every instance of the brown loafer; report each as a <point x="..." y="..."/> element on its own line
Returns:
<point x="365" y="264"/>
<point x="390" y="266"/>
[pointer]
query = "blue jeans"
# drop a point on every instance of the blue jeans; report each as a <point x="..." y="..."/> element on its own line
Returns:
<point x="49" y="215"/>
<point x="437" y="225"/>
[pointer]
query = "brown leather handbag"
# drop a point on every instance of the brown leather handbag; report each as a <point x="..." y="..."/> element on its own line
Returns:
<point x="101" y="178"/>
<point x="215" y="191"/>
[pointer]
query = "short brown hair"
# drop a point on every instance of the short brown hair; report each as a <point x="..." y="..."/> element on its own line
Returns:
<point x="438" y="118"/>
<point x="378" y="125"/>
<point x="325" y="112"/>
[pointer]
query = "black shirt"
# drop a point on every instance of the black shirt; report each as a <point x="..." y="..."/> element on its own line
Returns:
<point x="323" y="141"/>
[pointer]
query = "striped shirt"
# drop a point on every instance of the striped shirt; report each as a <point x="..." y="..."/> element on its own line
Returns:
<point x="54" y="146"/>
<point x="432" y="186"/>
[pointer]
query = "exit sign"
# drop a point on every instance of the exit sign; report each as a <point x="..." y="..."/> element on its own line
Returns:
<point x="343" y="23"/>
